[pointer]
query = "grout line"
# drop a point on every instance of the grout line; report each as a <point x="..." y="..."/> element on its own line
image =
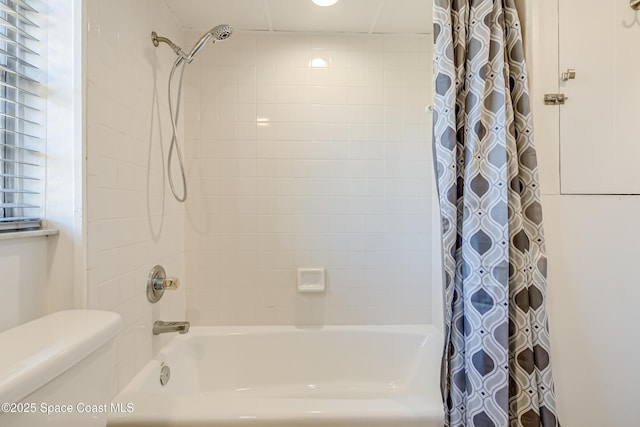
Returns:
<point x="268" y="15"/>
<point x="175" y="16"/>
<point x="376" y="17"/>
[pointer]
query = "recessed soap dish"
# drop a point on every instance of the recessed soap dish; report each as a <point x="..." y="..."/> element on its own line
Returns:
<point x="311" y="280"/>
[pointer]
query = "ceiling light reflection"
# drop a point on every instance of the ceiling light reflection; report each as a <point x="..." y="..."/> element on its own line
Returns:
<point x="318" y="63"/>
<point x="325" y="2"/>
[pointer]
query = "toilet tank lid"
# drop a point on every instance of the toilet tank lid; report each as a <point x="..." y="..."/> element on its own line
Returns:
<point x="38" y="351"/>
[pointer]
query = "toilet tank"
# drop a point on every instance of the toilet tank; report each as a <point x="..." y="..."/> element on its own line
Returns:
<point x="58" y="370"/>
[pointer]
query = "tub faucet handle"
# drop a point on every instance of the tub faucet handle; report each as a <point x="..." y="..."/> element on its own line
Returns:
<point x="166" y="283"/>
<point x="171" y="283"/>
<point x="157" y="282"/>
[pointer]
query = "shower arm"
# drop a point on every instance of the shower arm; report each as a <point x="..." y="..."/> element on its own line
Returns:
<point x="156" y="39"/>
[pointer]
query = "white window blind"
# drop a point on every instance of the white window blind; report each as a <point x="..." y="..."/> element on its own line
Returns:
<point x="21" y="145"/>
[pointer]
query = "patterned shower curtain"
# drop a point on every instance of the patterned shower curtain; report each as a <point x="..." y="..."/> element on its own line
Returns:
<point x="495" y="370"/>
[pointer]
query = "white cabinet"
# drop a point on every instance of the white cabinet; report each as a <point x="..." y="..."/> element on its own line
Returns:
<point x="600" y="123"/>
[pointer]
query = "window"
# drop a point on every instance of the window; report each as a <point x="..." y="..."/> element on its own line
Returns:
<point x="21" y="142"/>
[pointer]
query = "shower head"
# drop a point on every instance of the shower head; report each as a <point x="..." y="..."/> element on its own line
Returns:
<point x="221" y="32"/>
<point x="635" y="4"/>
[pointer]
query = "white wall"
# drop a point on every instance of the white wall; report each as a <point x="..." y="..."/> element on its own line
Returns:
<point x="592" y="244"/>
<point x="133" y="222"/>
<point x="592" y="247"/>
<point x="65" y="155"/>
<point x="23" y="263"/>
<point x="292" y="166"/>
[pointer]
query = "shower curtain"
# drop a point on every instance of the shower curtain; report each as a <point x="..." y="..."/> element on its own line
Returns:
<point x="495" y="370"/>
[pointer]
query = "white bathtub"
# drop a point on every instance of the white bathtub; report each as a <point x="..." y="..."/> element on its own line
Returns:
<point x="340" y="376"/>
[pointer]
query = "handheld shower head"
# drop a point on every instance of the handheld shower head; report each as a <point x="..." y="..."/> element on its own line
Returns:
<point x="199" y="45"/>
<point x="221" y="32"/>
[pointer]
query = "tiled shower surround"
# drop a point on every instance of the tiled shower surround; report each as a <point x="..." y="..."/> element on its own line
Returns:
<point x="309" y="151"/>
<point x="132" y="220"/>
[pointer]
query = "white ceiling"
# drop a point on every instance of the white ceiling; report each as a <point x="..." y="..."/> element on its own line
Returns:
<point x="349" y="16"/>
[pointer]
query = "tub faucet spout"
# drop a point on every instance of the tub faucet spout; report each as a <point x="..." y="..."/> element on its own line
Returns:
<point x="160" y="327"/>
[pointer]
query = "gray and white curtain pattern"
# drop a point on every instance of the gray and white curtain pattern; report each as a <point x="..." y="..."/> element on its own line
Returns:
<point x="496" y="370"/>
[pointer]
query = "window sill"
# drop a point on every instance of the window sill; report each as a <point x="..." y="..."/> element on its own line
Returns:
<point x="12" y="235"/>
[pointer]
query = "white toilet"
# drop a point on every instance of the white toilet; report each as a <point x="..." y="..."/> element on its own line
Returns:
<point x="57" y="371"/>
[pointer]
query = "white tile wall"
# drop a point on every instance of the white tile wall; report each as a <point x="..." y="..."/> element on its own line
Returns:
<point x="133" y="221"/>
<point x="292" y="166"/>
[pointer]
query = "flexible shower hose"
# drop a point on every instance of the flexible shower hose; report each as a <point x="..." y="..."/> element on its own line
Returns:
<point x="174" y="137"/>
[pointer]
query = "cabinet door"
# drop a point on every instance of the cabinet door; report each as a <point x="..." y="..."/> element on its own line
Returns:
<point x="600" y="123"/>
